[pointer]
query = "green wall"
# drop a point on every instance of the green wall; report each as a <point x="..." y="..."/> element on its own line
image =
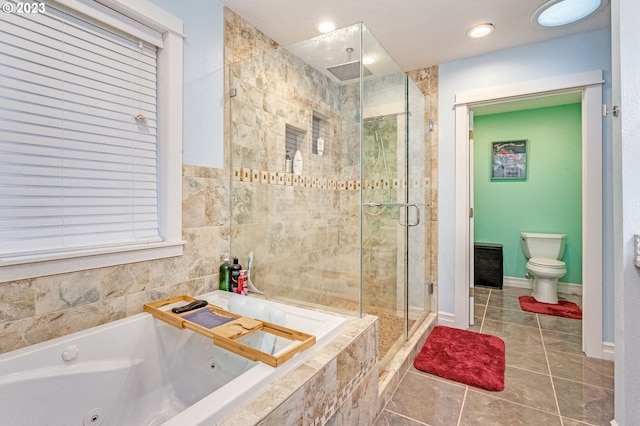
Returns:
<point x="549" y="200"/>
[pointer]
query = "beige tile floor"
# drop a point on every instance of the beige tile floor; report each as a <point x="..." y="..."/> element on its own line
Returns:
<point x="548" y="381"/>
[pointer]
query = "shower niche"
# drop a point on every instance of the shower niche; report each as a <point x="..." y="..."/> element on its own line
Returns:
<point x="294" y="149"/>
<point x="321" y="134"/>
<point x="346" y="234"/>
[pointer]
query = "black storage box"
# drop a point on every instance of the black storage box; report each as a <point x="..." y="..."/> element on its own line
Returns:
<point x="487" y="268"/>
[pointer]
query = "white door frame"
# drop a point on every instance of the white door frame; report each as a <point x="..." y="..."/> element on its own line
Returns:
<point x="589" y="84"/>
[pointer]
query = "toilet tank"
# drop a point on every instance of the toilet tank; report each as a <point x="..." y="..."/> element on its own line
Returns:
<point x="550" y="246"/>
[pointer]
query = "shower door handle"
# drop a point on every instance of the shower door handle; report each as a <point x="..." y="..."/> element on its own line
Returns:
<point x="417" y="222"/>
<point x="399" y="205"/>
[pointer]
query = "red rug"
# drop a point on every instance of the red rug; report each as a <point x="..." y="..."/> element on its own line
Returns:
<point x="562" y="309"/>
<point x="464" y="356"/>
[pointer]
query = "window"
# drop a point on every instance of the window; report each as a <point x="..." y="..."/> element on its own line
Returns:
<point x="89" y="172"/>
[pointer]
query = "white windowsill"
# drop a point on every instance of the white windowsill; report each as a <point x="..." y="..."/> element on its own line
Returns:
<point x="33" y="266"/>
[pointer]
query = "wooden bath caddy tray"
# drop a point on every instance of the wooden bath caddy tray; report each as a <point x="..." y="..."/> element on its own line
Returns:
<point x="226" y="335"/>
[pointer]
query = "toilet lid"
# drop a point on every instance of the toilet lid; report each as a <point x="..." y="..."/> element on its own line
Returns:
<point x="547" y="263"/>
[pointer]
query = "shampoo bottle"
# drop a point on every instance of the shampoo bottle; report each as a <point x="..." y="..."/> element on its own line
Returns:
<point x="234" y="273"/>
<point x="224" y="274"/>
<point x="288" y="164"/>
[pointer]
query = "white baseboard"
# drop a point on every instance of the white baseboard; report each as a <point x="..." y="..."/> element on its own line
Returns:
<point x="564" y="288"/>
<point x="446" y="318"/>
<point x="516" y="282"/>
<point x="608" y="351"/>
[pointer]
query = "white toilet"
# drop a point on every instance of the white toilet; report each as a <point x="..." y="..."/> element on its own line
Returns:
<point x="544" y="252"/>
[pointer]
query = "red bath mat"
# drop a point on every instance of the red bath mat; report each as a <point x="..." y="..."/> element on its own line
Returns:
<point x="464" y="356"/>
<point x="562" y="309"/>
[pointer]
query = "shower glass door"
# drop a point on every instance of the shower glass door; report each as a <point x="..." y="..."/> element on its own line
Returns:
<point x="393" y="199"/>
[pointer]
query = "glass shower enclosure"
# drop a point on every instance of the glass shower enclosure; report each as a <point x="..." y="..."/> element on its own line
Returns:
<point x="327" y="145"/>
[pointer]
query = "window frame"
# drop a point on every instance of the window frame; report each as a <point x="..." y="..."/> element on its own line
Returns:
<point x="169" y="110"/>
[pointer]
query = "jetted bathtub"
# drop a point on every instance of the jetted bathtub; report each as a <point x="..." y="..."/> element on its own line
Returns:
<point x="141" y="371"/>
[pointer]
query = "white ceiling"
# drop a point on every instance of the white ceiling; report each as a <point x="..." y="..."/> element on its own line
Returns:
<point x="416" y="33"/>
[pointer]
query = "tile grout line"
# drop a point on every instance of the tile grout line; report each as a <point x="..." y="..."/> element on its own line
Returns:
<point x="518" y="404"/>
<point x="546" y="357"/>
<point x="484" y="313"/>
<point x="464" y="400"/>
<point x="405" y="416"/>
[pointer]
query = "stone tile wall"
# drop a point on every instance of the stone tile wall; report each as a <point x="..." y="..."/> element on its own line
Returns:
<point x="337" y="386"/>
<point x="43" y="308"/>
<point x="302" y="229"/>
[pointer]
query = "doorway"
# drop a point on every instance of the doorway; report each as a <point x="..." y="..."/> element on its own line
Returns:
<point x="589" y="87"/>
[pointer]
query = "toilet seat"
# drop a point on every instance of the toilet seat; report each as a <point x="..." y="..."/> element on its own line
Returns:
<point x="546" y="263"/>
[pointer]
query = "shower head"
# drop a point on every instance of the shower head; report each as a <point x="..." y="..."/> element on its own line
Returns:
<point x="349" y="71"/>
<point x="371" y="125"/>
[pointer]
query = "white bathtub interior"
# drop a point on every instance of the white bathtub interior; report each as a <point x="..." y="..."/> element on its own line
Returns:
<point x="141" y="371"/>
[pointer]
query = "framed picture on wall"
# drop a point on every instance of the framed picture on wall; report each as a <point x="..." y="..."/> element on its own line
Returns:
<point x="509" y="160"/>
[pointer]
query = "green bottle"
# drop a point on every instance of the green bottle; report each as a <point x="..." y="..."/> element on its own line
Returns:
<point x="224" y="274"/>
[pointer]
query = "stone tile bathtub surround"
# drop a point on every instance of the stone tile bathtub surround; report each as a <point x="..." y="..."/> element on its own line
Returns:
<point x="337" y="386"/>
<point x="17" y="300"/>
<point x="43" y="308"/>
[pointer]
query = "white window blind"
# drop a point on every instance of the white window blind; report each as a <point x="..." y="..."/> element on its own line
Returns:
<point x="77" y="169"/>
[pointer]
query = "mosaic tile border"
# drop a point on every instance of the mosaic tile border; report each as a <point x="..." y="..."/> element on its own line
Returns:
<point x="241" y="174"/>
<point x="341" y="398"/>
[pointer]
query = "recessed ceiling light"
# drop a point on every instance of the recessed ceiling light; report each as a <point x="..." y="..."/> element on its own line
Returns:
<point x="480" y="30"/>
<point x="326" y="26"/>
<point x="555" y="13"/>
<point x="368" y="60"/>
